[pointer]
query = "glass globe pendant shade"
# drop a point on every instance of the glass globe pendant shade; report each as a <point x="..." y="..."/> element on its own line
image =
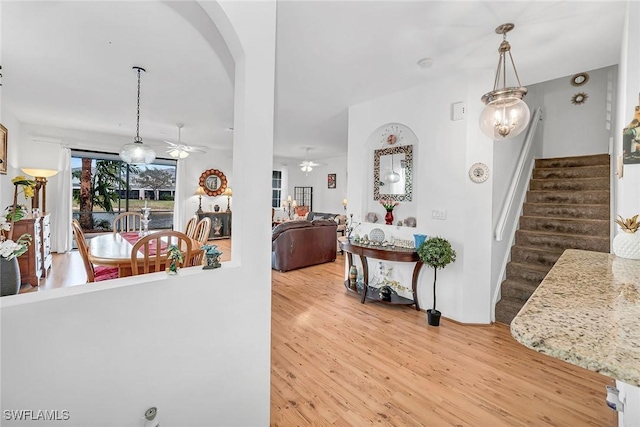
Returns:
<point x="137" y="153"/>
<point x="504" y="118"/>
<point x="393" y="177"/>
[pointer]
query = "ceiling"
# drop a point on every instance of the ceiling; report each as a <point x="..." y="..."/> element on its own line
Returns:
<point x="68" y="64"/>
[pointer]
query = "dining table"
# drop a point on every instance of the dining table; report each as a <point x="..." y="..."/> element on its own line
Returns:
<point x="114" y="250"/>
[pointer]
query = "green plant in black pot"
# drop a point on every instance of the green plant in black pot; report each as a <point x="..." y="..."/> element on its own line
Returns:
<point x="436" y="252"/>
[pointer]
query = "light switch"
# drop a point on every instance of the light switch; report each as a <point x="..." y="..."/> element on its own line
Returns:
<point x="457" y="111"/>
<point x="439" y="214"/>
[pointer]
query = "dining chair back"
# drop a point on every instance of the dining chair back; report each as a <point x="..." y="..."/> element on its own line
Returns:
<point x="203" y="228"/>
<point x="190" y="229"/>
<point x="149" y="254"/>
<point x="127" y="222"/>
<point x="94" y="274"/>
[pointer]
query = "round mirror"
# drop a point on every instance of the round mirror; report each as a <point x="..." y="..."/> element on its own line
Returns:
<point x="213" y="181"/>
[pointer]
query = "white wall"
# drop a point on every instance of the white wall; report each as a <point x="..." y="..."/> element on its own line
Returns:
<point x="574" y="130"/>
<point x="197" y="346"/>
<point x="446" y="150"/>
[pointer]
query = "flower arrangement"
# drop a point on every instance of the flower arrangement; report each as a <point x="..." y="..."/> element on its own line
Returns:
<point x="9" y="248"/>
<point x="388" y="204"/>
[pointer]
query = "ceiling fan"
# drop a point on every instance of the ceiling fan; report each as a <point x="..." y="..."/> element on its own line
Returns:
<point x="180" y="150"/>
<point x="307" y="166"/>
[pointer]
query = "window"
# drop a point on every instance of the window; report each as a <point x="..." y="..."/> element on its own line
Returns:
<point x="276" y="189"/>
<point x="104" y="186"/>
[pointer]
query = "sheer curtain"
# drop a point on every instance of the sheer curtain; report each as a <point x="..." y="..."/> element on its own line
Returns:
<point x="62" y="236"/>
<point x="178" y="211"/>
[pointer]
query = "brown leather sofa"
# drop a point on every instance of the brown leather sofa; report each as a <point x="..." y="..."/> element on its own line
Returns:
<point x="298" y="244"/>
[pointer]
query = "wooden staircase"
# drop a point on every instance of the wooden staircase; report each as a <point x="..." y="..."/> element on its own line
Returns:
<point x="567" y="207"/>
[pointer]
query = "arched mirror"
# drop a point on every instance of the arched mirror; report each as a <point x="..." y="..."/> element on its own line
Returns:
<point x="392" y="173"/>
<point x="213" y="181"/>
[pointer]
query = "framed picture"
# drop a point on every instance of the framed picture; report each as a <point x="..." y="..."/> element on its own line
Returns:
<point x="331" y="180"/>
<point x="3" y="150"/>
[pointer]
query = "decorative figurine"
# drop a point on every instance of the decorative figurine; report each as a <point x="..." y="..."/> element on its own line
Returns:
<point x="212" y="255"/>
<point x="174" y="256"/>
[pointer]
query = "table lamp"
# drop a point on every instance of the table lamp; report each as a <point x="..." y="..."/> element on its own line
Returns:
<point x="228" y="192"/>
<point x="200" y="192"/>
<point x="41" y="176"/>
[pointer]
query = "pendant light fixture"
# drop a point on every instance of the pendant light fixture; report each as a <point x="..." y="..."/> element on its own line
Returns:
<point x="393" y="176"/>
<point x="506" y="114"/>
<point x="136" y="152"/>
<point x="307" y="166"/>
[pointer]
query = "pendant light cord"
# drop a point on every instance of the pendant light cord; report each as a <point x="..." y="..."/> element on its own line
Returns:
<point x="138" y="139"/>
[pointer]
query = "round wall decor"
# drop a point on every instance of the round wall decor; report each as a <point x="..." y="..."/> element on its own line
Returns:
<point x="479" y="172"/>
<point x="579" y="98"/>
<point x="213" y="182"/>
<point x="579" y="79"/>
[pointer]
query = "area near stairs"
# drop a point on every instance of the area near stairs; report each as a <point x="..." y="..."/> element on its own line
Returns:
<point x="567" y="207"/>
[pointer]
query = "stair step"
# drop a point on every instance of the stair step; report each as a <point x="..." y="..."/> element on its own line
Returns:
<point x="506" y="310"/>
<point x="593" y="211"/>
<point x="590" y="227"/>
<point x="564" y="197"/>
<point x="577" y="184"/>
<point x="573" y="161"/>
<point x="517" y="290"/>
<point x="533" y="255"/>
<point x="530" y="273"/>
<point x="560" y="242"/>
<point x="571" y="173"/>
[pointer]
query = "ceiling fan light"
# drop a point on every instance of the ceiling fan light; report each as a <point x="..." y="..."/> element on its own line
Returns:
<point x="178" y="154"/>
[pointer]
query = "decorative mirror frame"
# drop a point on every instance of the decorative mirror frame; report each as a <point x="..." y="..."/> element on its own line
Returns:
<point x="223" y="182"/>
<point x="407" y="150"/>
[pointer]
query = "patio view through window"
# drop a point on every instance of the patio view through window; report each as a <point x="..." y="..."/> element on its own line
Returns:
<point x="104" y="186"/>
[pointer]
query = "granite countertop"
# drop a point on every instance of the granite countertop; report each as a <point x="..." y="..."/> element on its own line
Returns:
<point x="586" y="311"/>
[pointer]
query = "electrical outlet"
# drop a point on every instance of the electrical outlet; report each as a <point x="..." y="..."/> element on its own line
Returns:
<point x="439" y="214"/>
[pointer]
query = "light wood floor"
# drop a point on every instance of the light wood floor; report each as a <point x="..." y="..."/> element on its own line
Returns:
<point x="338" y="362"/>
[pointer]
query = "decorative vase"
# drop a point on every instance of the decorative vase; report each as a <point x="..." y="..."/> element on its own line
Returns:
<point x="419" y="239"/>
<point x="353" y="277"/>
<point x="385" y="293"/>
<point x="9" y="276"/>
<point x="627" y="245"/>
<point x="388" y="218"/>
<point x="216" y="208"/>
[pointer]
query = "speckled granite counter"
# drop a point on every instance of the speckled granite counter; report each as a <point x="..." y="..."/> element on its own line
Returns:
<point x="587" y="312"/>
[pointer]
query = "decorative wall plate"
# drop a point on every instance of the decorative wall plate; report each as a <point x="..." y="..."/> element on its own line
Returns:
<point x="376" y="235"/>
<point x="579" y="79"/>
<point x="479" y="172"/>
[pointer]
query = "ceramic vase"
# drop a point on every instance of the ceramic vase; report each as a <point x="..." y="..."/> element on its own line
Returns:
<point x="388" y="218"/>
<point x="353" y="277"/>
<point x="627" y="245"/>
<point x="9" y="276"/>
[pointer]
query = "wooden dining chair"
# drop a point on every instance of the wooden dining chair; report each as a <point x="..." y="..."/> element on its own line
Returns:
<point x="190" y="229"/>
<point x="127" y="222"/>
<point x="94" y="273"/>
<point x="201" y="235"/>
<point x="149" y="254"/>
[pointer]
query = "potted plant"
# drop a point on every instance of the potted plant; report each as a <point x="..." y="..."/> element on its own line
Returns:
<point x="436" y="252"/>
<point x="627" y="243"/>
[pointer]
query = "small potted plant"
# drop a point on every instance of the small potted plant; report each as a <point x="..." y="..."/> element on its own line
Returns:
<point x="627" y="243"/>
<point x="436" y="252"/>
<point x="174" y="257"/>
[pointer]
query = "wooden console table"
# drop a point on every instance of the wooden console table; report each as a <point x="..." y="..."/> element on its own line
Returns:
<point x="385" y="254"/>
